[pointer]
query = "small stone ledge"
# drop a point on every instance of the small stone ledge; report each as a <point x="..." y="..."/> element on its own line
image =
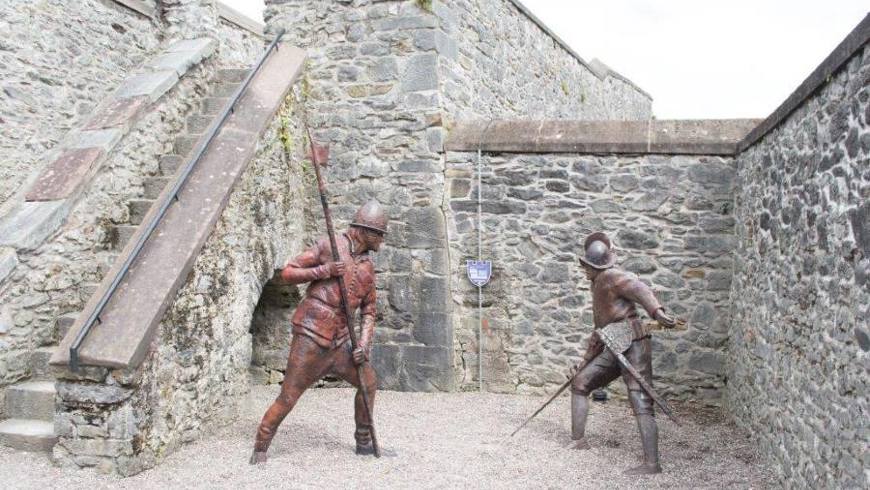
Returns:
<point x="855" y="41"/>
<point x="676" y="137"/>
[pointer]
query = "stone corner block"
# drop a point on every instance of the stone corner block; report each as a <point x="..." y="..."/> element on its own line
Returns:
<point x="29" y="224"/>
<point x="8" y="261"/>
<point x="599" y="69"/>
<point x="421" y="73"/>
<point x="153" y="85"/>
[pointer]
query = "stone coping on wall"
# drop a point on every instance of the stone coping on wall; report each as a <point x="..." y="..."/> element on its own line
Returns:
<point x="225" y="12"/>
<point x="672" y="137"/>
<point x="596" y="66"/>
<point x="853" y="42"/>
<point x="51" y="193"/>
<point x="127" y="323"/>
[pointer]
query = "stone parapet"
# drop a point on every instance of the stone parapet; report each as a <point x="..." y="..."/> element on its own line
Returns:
<point x="667" y="137"/>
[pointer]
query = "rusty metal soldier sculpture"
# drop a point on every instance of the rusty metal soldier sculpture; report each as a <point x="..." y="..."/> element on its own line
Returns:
<point x="320" y="332"/>
<point x="614" y="293"/>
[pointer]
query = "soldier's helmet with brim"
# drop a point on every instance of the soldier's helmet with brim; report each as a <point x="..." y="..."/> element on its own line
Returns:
<point x="599" y="251"/>
<point x="372" y="217"/>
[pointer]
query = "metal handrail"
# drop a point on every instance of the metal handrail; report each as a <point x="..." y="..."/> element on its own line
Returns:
<point x="164" y="206"/>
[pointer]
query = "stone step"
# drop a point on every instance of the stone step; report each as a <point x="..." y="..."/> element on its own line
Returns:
<point x="196" y="125"/>
<point x="184" y="144"/>
<point x="154" y="186"/>
<point x="27" y="434"/>
<point x="138" y="209"/>
<point x="121" y="235"/>
<point x="170" y="163"/>
<point x="31" y="400"/>
<point x="213" y="105"/>
<point x="232" y="75"/>
<point x="87" y="290"/>
<point x="63" y="323"/>
<point x="226" y="89"/>
<point x="39" y="368"/>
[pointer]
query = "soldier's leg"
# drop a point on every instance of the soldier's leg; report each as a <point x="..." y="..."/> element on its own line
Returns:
<point x="306" y="363"/>
<point x="598" y="373"/>
<point x="640" y="356"/>
<point x="347" y="370"/>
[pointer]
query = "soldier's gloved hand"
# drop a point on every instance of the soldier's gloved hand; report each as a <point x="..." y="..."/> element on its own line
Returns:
<point x="665" y="319"/>
<point x="359" y="356"/>
<point x="335" y="268"/>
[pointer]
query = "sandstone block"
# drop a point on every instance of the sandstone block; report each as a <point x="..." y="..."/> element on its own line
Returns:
<point x="118" y="113"/>
<point x="65" y="175"/>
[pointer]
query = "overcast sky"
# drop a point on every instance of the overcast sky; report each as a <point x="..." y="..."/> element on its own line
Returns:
<point x="698" y="58"/>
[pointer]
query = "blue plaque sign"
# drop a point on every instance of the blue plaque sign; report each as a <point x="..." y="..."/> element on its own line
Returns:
<point x="479" y="271"/>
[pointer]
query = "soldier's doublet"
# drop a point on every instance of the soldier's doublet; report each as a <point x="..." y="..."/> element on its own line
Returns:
<point x="319" y="315"/>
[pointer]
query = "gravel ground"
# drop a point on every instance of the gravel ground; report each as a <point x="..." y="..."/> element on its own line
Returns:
<point x="449" y="440"/>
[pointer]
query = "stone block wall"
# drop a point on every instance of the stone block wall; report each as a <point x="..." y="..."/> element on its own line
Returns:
<point x="496" y="60"/>
<point x="58" y="60"/>
<point x="671" y="219"/>
<point x="126" y="421"/>
<point x="57" y="277"/>
<point x="798" y="353"/>
<point x="372" y="91"/>
<point x="386" y="79"/>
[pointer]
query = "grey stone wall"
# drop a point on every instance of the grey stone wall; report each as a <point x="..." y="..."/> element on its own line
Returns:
<point x="497" y="62"/>
<point x="373" y="96"/>
<point x="671" y="219"/>
<point x="58" y="60"/>
<point x="59" y="276"/>
<point x="128" y="421"/>
<point x="799" y="334"/>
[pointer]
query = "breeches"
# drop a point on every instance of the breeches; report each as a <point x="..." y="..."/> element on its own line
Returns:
<point x="605" y="367"/>
<point x="307" y="363"/>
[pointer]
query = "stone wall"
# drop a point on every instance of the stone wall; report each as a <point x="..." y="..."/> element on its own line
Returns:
<point x="385" y="79"/>
<point x="497" y="61"/>
<point x="59" y="276"/>
<point x="58" y="60"/>
<point x="198" y="366"/>
<point x="801" y="289"/>
<point x="372" y="95"/>
<point x="670" y="218"/>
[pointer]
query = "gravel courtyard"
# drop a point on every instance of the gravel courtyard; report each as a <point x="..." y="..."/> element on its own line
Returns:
<point x="451" y="440"/>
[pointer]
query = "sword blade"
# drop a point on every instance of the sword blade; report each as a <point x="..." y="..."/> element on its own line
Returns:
<point x="555" y="395"/>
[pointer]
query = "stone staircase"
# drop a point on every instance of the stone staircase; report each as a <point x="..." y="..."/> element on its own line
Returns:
<point x="30" y="405"/>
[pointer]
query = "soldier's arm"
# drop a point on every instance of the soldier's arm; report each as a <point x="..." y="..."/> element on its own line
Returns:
<point x="306" y="267"/>
<point x="637" y="291"/>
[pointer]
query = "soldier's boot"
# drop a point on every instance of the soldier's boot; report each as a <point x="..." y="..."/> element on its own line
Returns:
<point x="579" y="412"/>
<point x="363" y="436"/>
<point x="649" y="434"/>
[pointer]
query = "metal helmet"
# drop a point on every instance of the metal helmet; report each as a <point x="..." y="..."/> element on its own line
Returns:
<point x="599" y="251"/>
<point x="372" y="216"/>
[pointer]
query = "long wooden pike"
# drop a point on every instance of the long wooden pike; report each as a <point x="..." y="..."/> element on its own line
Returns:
<point x="319" y="156"/>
